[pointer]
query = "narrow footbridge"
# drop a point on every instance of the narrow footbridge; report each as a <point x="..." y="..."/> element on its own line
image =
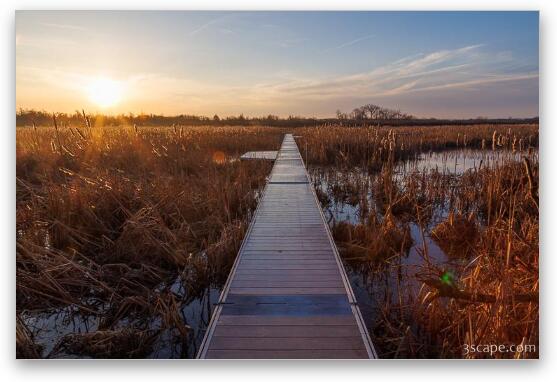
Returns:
<point x="287" y="295"/>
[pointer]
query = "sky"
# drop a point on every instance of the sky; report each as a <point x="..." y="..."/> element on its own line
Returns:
<point x="429" y="64"/>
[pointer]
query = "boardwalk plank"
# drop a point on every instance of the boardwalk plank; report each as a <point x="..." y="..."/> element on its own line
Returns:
<point x="297" y="343"/>
<point x="323" y="320"/>
<point x="286" y="354"/>
<point x="289" y="291"/>
<point x="286" y="331"/>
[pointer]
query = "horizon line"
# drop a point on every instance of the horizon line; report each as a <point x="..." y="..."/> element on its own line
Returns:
<point x="264" y="116"/>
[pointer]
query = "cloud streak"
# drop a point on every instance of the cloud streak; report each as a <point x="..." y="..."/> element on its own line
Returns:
<point x="349" y="43"/>
<point x="445" y="69"/>
<point x="209" y="23"/>
<point x="64" y="26"/>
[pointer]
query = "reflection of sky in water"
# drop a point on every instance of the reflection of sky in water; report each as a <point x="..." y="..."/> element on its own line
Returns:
<point x="370" y="293"/>
<point x="195" y="314"/>
<point x="372" y="289"/>
<point x="49" y="327"/>
<point x="458" y="161"/>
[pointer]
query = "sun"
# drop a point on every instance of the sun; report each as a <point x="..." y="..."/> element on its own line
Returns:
<point x="105" y="92"/>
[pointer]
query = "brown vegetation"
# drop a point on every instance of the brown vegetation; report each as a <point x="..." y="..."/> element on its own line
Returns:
<point x="485" y="220"/>
<point x="370" y="147"/>
<point x="131" y="224"/>
<point x="110" y="218"/>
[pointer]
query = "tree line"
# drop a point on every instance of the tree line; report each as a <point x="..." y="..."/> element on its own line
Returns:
<point x="374" y="113"/>
<point x="30" y="117"/>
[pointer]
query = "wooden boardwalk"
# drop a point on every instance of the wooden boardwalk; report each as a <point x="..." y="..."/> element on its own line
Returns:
<point x="260" y="155"/>
<point x="287" y="295"/>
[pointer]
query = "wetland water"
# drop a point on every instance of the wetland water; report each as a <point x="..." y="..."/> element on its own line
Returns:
<point x="347" y="197"/>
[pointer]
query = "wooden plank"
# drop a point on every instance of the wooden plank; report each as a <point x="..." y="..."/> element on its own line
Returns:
<point x="289" y="283"/>
<point x="293" y="252"/>
<point x="323" y="320"/>
<point x="286" y="331"/>
<point x="312" y="246"/>
<point x="300" y="300"/>
<point x="277" y="263"/>
<point x="287" y="354"/>
<point x="298" y="343"/>
<point x="302" y="267"/>
<point x="261" y="155"/>
<point x="288" y="278"/>
<point x="288" y="272"/>
<point x="296" y="310"/>
<point x="287" y="255"/>
<point x="290" y="291"/>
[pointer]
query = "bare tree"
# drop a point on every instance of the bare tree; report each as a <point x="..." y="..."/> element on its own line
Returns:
<point x="374" y="112"/>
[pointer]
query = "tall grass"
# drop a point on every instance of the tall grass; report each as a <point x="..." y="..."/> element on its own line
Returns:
<point x="370" y="147"/>
<point x="485" y="220"/>
<point x="109" y="217"/>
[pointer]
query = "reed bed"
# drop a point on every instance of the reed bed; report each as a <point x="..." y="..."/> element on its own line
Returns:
<point x="370" y="147"/>
<point x="449" y="259"/>
<point x="121" y="228"/>
<point x="128" y="225"/>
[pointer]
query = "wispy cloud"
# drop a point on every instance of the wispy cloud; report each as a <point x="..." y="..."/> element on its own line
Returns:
<point x="209" y="23"/>
<point x="42" y="43"/>
<point x="349" y="43"/>
<point x="64" y="26"/>
<point x="288" y="43"/>
<point x="457" y="68"/>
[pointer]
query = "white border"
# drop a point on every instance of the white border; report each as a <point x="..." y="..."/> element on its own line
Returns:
<point x="414" y="371"/>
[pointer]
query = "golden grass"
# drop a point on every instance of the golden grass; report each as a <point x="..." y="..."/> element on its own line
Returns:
<point x="371" y="147"/>
<point x="108" y="217"/>
<point x="490" y="293"/>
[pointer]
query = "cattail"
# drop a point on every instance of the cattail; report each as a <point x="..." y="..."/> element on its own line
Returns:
<point x="57" y="133"/>
<point x="86" y="118"/>
<point x="80" y="133"/>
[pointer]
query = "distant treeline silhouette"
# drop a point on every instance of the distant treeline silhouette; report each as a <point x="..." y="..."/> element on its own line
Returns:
<point x="373" y="112"/>
<point x="367" y="115"/>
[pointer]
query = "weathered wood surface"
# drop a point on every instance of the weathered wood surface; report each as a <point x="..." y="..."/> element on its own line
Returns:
<point x="265" y="155"/>
<point x="287" y="295"/>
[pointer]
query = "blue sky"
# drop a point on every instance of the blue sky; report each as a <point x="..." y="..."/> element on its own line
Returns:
<point x="442" y="64"/>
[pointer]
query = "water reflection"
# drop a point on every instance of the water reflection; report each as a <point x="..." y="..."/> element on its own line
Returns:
<point x="349" y="196"/>
<point x="456" y="162"/>
<point x="49" y="327"/>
